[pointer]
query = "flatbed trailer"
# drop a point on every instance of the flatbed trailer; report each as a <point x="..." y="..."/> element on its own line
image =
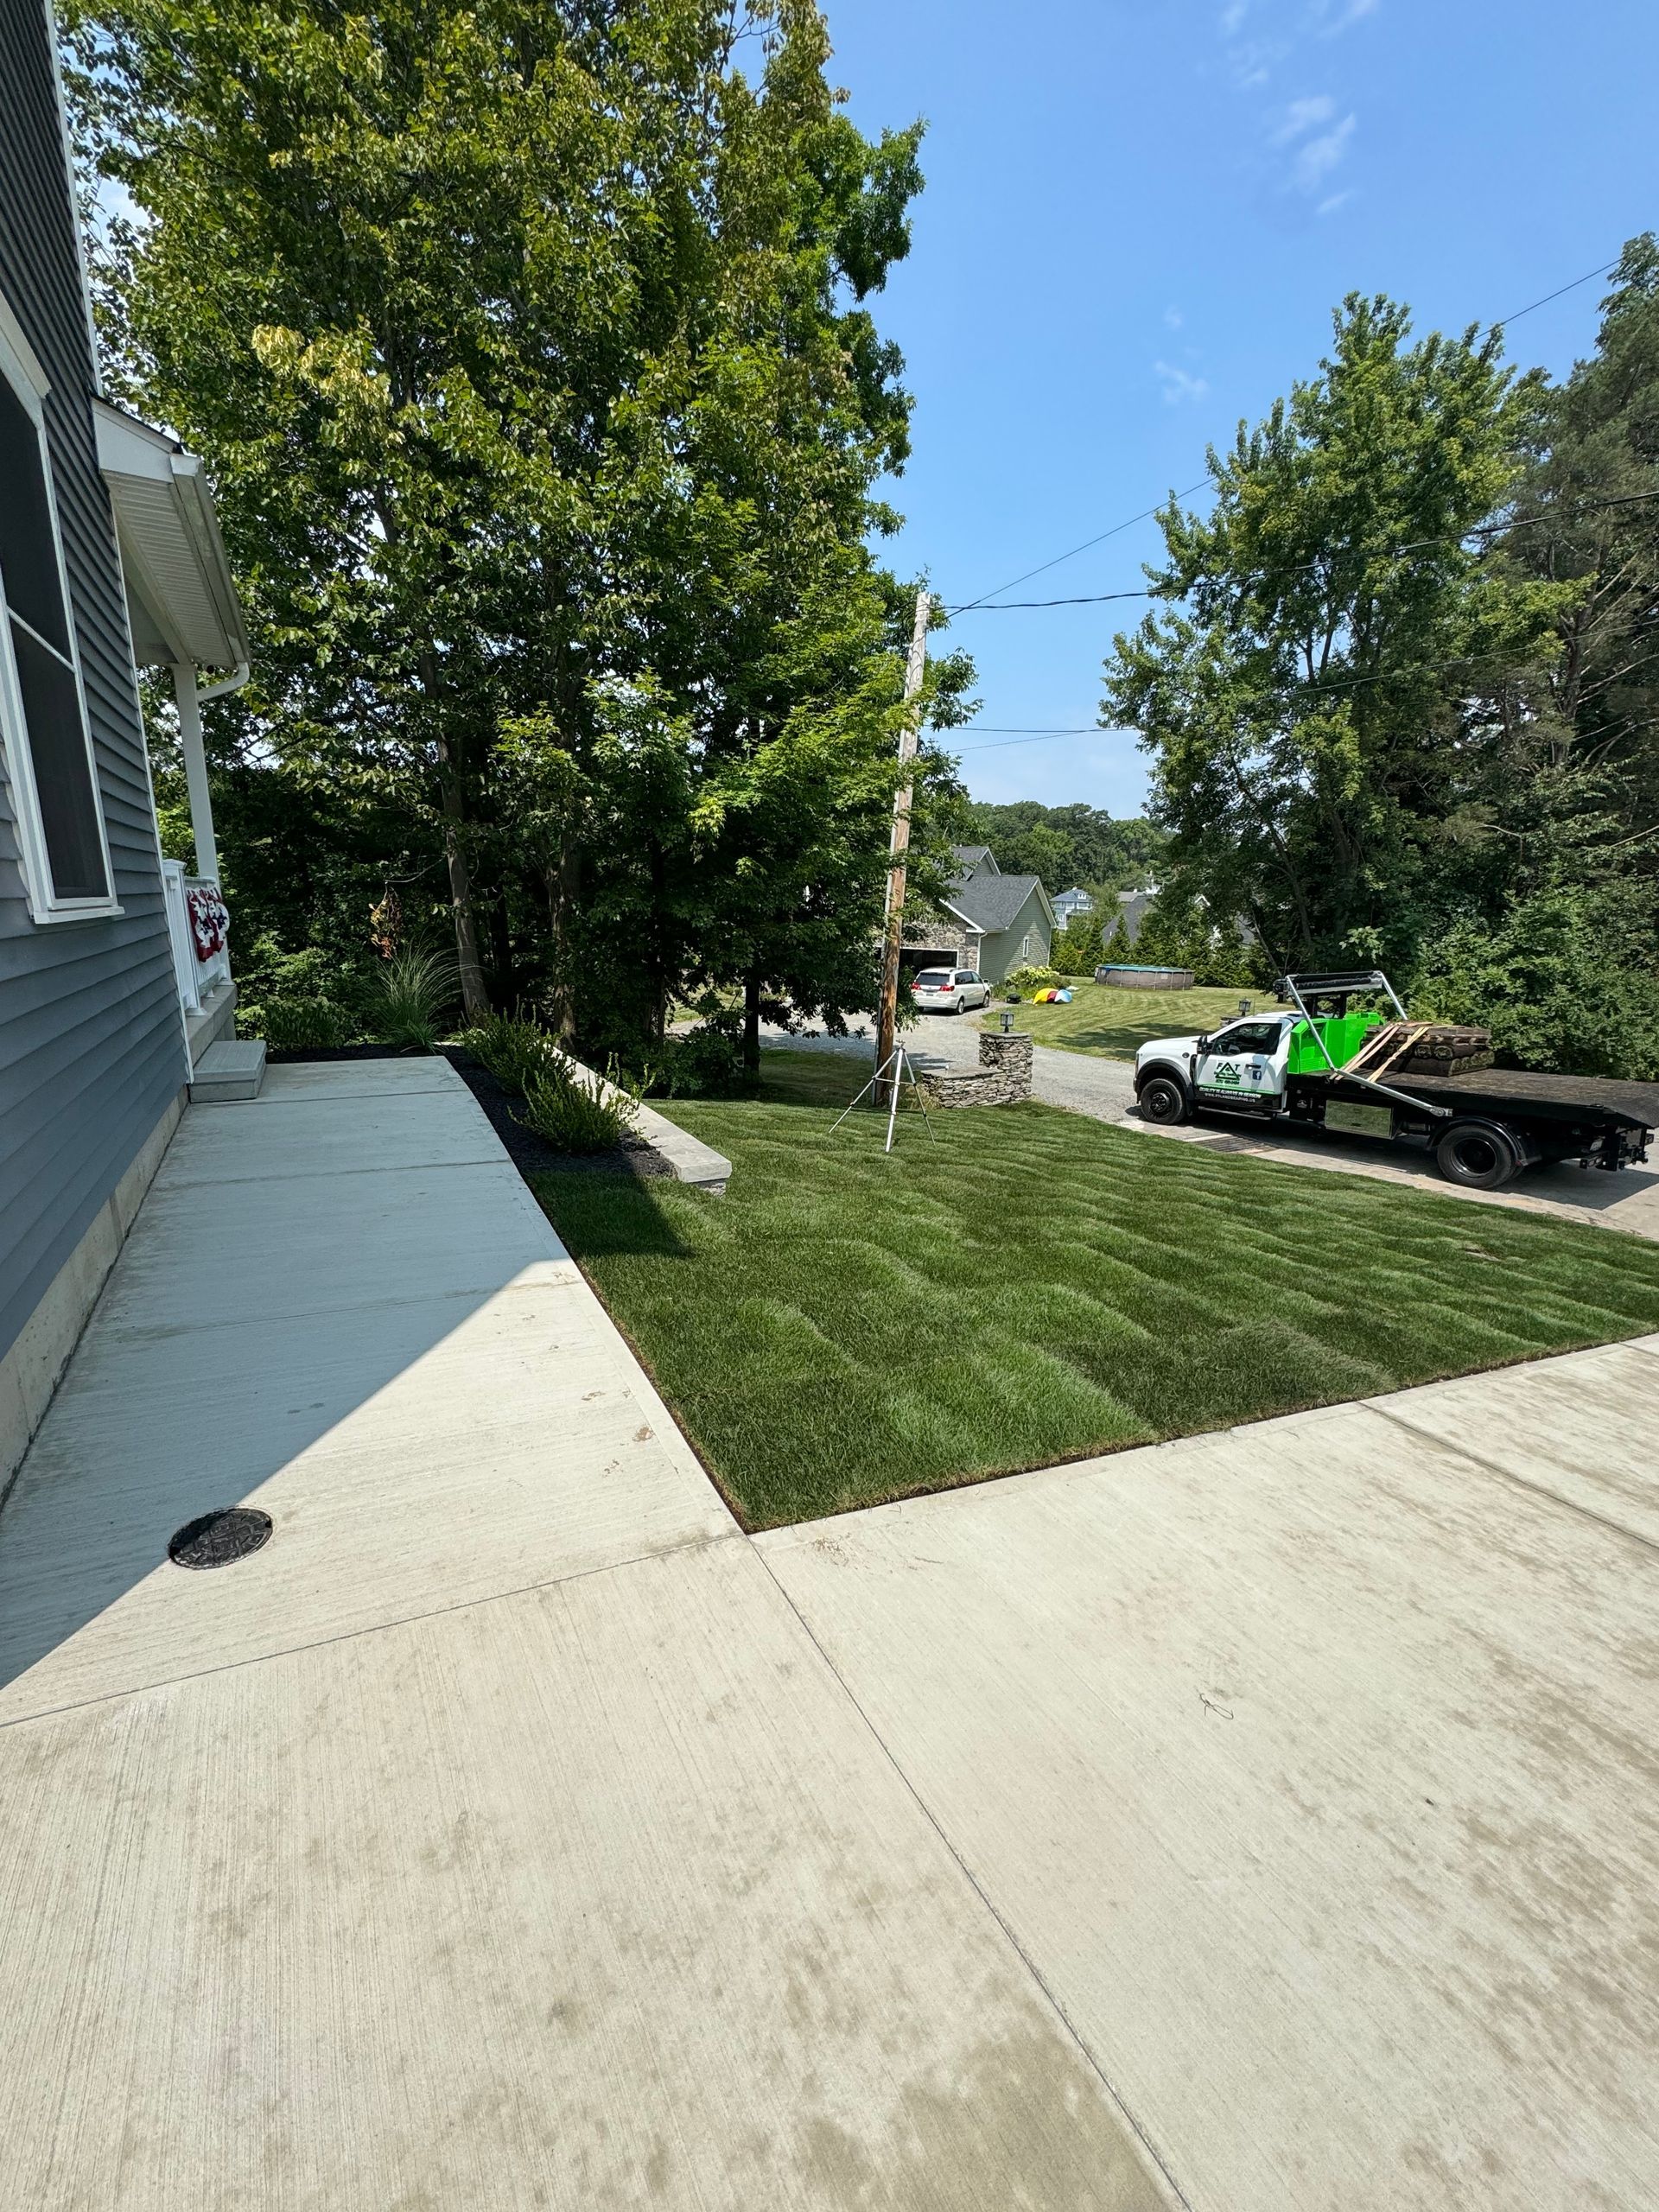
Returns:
<point x="1307" y="1069"/>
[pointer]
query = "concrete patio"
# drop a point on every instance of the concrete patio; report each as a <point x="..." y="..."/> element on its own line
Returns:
<point x="1261" y="1823"/>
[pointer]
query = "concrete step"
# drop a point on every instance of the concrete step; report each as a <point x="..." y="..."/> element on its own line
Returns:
<point x="233" y="1069"/>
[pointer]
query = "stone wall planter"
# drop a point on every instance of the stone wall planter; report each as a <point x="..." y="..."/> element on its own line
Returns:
<point x="1002" y="1077"/>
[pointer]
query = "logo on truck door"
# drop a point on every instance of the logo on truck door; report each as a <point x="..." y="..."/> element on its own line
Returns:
<point x="1226" y="1073"/>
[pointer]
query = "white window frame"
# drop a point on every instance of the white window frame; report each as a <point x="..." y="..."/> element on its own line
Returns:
<point x="24" y="373"/>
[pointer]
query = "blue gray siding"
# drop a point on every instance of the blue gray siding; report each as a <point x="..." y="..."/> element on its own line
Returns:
<point x="91" y="1046"/>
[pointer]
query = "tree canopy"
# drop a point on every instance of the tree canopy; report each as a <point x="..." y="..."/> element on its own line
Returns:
<point x="1398" y="693"/>
<point x="529" y="350"/>
<point x="1067" y="846"/>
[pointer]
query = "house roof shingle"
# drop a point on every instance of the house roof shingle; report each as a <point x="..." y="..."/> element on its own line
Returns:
<point x="991" y="902"/>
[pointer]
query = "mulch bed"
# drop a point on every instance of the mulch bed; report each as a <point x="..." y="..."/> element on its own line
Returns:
<point x="533" y="1155"/>
<point x="282" y="1055"/>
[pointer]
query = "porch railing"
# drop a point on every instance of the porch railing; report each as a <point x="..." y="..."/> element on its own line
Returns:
<point x="197" y="979"/>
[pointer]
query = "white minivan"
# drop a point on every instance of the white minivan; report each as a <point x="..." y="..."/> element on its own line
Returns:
<point x="949" y="990"/>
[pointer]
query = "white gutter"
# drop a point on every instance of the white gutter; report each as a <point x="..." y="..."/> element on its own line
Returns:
<point x="226" y="685"/>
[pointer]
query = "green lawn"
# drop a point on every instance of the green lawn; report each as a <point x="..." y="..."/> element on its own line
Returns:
<point x="1103" y="1019"/>
<point x="845" y="1327"/>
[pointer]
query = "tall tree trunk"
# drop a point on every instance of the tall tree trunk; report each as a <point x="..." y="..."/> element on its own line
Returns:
<point x="474" y="997"/>
<point x="562" y="886"/>
<point x="752" y="1023"/>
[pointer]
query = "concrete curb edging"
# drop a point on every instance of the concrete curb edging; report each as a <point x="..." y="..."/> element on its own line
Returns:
<point x="691" y="1160"/>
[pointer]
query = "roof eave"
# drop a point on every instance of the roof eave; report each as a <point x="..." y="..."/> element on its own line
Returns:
<point x="168" y="531"/>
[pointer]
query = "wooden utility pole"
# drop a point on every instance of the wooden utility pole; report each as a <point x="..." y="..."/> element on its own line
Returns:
<point x="887" y="1015"/>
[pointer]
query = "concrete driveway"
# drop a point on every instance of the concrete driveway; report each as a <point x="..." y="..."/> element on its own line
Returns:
<point x="496" y="1836"/>
<point x="1311" y="1769"/>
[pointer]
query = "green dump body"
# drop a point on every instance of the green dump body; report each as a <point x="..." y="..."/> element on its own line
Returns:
<point x="1343" y="1035"/>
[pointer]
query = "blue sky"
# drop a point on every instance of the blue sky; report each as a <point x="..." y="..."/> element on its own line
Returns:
<point x="1139" y="214"/>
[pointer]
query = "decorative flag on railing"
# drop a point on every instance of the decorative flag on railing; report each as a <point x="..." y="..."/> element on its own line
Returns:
<point x="210" y="919"/>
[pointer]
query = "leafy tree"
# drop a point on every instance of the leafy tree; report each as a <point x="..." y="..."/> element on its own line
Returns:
<point x="1553" y="939"/>
<point x="1071" y="845"/>
<point x="526" y="346"/>
<point x="1077" y="948"/>
<point x="1301" y="702"/>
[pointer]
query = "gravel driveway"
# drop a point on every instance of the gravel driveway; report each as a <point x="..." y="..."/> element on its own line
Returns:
<point x="1083" y="1082"/>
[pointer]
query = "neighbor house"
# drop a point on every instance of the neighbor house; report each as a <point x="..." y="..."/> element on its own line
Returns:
<point x="1132" y="909"/>
<point x="989" y="922"/>
<point x="114" y="981"/>
<point x="1071" y="905"/>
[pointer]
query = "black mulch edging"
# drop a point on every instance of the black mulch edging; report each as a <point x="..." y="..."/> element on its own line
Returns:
<point x="533" y="1155"/>
<point x="282" y="1055"/>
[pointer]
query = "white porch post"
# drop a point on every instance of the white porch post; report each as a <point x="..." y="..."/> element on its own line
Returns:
<point x="195" y="771"/>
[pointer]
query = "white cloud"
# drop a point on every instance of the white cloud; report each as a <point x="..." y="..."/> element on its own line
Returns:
<point x="1173" y="318"/>
<point x="1178" y="385"/>
<point x="1303" y="115"/>
<point x="1337" y="199"/>
<point x="1317" y="158"/>
<point x="1233" y="15"/>
<point x="1338" y="19"/>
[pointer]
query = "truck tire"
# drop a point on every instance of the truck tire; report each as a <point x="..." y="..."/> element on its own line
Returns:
<point x="1165" y="1101"/>
<point x="1479" y="1155"/>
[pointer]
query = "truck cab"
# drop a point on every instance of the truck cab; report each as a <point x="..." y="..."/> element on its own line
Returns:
<point x="1242" y="1067"/>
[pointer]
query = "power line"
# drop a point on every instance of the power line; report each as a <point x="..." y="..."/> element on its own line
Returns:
<point x="1016" y="606"/>
<point x="1503" y="321"/>
<point x="974" y="605"/>
<point x="999" y="744"/>
<point x="1316" y="684"/>
<point x="1389" y="553"/>
<point x="1044" y="566"/>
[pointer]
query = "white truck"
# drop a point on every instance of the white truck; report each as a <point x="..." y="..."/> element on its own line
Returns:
<point x="1335" y="1059"/>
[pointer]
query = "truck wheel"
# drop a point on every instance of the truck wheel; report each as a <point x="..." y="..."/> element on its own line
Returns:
<point x="1480" y="1155"/>
<point x="1163" y="1099"/>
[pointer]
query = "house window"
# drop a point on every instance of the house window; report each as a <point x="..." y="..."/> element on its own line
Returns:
<point x="49" y="759"/>
<point x="1024" y="947"/>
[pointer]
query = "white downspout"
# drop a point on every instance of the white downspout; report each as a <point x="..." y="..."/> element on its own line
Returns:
<point x="238" y="676"/>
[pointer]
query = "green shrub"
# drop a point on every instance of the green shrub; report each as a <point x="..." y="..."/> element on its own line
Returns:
<point x="515" y="1051"/>
<point x="410" y="993"/>
<point x="1077" y="951"/>
<point x="574" y="1111"/>
<point x="1118" y="947"/>
<point x="297" y="1001"/>
<point x="708" y="1061"/>
<point x="297" y="1024"/>
<point x="1565" y="982"/>
<point x="1026" y="980"/>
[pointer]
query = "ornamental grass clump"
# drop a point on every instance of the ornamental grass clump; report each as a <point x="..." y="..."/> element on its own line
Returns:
<point x="574" y="1111"/>
<point x="413" y="991"/>
<point x="514" y="1050"/>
